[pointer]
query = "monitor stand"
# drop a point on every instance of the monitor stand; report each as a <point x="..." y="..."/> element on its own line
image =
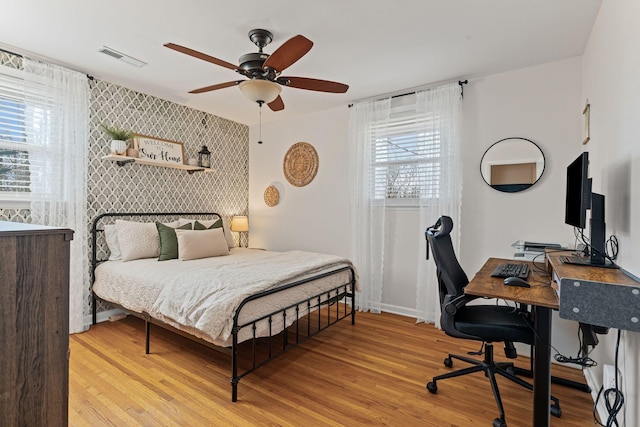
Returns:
<point x="586" y="261"/>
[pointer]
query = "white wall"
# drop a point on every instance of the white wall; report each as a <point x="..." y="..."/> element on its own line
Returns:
<point x="611" y="68"/>
<point x="540" y="103"/>
<point x="314" y="217"/>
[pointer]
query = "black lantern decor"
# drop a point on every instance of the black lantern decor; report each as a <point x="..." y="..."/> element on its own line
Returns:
<point x="204" y="157"/>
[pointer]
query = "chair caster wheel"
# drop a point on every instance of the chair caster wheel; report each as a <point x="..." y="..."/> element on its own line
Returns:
<point x="556" y="411"/>
<point x="448" y="362"/>
<point x="511" y="370"/>
<point x="432" y="387"/>
<point x="499" y="422"/>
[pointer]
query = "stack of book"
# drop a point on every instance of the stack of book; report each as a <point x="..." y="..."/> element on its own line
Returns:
<point x="529" y="250"/>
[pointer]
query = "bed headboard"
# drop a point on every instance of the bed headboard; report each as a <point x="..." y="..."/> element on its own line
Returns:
<point x="99" y="251"/>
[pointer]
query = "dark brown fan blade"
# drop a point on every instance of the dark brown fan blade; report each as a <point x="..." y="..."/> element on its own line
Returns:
<point x="287" y="54"/>
<point x="216" y="87"/>
<point x="313" y="84"/>
<point x="201" y="55"/>
<point x="276" y="104"/>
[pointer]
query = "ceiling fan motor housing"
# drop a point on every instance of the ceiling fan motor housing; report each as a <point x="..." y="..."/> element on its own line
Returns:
<point x="252" y="63"/>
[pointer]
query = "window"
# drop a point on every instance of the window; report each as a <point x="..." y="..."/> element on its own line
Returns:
<point x="406" y="159"/>
<point x="22" y="110"/>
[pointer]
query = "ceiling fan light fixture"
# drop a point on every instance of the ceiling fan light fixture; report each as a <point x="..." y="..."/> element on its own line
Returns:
<point x="260" y="90"/>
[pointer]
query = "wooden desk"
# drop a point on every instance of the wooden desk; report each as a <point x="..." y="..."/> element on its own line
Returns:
<point x="542" y="298"/>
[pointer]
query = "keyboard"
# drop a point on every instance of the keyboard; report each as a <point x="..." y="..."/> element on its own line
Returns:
<point x="511" y="270"/>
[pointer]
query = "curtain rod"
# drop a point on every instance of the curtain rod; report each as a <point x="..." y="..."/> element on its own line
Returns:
<point x="89" y="76"/>
<point x="412" y="92"/>
<point x="11" y="53"/>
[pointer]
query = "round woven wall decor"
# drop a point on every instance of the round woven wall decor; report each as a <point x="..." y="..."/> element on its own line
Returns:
<point x="300" y="164"/>
<point x="271" y="196"/>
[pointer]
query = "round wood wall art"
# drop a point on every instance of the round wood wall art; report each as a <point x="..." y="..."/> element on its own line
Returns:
<point x="300" y="164"/>
<point x="271" y="196"/>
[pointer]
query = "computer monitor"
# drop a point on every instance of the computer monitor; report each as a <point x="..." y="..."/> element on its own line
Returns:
<point x="579" y="199"/>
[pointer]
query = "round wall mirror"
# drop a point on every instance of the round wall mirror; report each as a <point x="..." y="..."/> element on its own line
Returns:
<point x="512" y="164"/>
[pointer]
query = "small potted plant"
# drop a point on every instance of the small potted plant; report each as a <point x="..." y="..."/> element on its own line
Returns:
<point x="119" y="138"/>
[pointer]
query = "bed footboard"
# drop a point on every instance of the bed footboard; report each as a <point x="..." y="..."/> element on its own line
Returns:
<point x="318" y="311"/>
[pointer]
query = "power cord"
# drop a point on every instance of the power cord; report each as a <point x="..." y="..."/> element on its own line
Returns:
<point x="611" y="244"/>
<point x="582" y="358"/>
<point x="613" y="397"/>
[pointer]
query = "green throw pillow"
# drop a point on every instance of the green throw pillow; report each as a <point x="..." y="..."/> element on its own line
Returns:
<point x="169" y="240"/>
<point x="198" y="226"/>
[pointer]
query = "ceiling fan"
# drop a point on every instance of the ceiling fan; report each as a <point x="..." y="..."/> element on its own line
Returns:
<point x="263" y="70"/>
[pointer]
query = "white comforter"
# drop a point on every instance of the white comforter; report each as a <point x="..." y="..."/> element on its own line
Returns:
<point x="201" y="296"/>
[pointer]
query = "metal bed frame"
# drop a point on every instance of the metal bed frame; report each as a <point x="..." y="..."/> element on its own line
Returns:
<point x="334" y="312"/>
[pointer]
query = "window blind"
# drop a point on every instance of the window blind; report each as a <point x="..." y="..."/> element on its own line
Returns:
<point x="406" y="154"/>
<point x="25" y="111"/>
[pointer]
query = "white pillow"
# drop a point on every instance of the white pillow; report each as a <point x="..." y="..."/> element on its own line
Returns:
<point x="194" y="244"/>
<point x="138" y="240"/>
<point x="227" y="234"/>
<point x="208" y="223"/>
<point x="111" y="237"/>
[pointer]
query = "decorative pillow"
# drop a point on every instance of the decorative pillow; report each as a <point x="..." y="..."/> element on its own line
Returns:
<point x="227" y="234"/>
<point x="194" y="244"/>
<point x="138" y="240"/>
<point x="169" y="241"/>
<point x="200" y="226"/>
<point x="208" y="223"/>
<point x="111" y="237"/>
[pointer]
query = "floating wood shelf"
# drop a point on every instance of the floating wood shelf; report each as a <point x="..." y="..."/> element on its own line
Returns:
<point x="123" y="160"/>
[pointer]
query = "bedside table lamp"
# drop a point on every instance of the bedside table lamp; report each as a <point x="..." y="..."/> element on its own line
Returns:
<point x="240" y="224"/>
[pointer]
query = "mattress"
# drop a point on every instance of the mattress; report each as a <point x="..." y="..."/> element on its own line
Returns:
<point x="201" y="296"/>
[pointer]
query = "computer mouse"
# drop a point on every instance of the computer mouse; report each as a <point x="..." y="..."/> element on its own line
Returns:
<point x="516" y="281"/>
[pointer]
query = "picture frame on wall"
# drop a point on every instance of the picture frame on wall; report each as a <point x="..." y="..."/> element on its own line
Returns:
<point x="159" y="150"/>
<point x="585" y="114"/>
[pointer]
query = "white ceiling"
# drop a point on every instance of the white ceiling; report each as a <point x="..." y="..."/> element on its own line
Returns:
<point x="374" y="46"/>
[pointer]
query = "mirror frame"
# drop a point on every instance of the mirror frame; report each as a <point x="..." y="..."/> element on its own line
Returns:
<point x="522" y="187"/>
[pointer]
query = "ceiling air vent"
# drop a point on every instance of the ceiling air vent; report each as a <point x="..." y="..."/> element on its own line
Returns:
<point x="121" y="56"/>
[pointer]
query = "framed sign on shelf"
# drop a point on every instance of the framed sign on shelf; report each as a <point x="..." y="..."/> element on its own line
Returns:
<point x="159" y="150"/>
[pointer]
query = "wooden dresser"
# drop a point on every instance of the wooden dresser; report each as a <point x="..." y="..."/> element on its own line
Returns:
<point x="34" y="325"/>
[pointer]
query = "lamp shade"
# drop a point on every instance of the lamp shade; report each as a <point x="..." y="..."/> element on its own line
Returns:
<point x="239" y="223"/>
<point x="260" y="90"/>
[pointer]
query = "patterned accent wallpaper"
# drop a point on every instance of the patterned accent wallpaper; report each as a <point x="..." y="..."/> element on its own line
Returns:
<point x="141" y="188"/>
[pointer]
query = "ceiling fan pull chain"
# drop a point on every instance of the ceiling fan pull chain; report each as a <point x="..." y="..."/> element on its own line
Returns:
<point x="260" y="140"/>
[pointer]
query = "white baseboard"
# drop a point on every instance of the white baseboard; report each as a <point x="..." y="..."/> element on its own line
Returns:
<point x="103" y="316"/>
<point x="402" y="311"/>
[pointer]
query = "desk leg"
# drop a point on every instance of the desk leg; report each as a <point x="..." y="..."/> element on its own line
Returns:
<point x="542" y="367"/>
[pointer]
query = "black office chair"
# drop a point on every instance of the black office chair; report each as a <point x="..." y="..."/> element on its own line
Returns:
<point x="486" y="323"/>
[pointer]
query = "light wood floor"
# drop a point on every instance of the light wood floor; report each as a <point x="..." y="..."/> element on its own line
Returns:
<point x="372" y="373"/>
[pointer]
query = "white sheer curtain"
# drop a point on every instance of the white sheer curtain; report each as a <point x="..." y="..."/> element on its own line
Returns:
<point x="443" y="104"/>
<point x="57" y="121"/>
<point x="367" y="215"/>
<point x="404" y="152"/>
